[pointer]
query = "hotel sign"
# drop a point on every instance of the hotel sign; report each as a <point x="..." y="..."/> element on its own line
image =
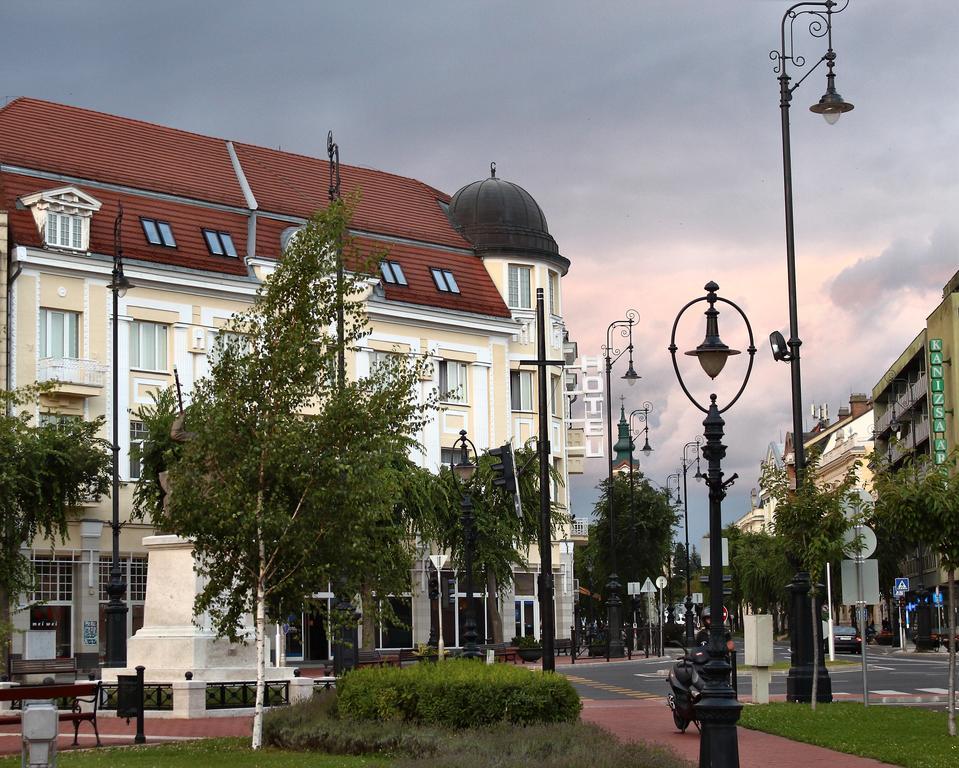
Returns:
<point x="937" y="389"/>
<point x="588" y="392"/>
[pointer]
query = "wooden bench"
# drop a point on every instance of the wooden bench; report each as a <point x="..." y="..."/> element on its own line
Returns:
<point x="376" y="659"/>
<point x="23" y="667"/>
<point x="75" y="693"/>
<point x="502" y="652"/>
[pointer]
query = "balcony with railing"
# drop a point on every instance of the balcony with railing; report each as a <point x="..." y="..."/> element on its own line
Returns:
<point x="579" y="531"/>
<point x="72" y="376"/>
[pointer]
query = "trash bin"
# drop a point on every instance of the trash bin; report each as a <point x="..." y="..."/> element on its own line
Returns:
<point x="39" y="725"/>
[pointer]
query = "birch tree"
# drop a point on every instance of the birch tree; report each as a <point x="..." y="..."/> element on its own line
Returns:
<point x="287" y="472"/>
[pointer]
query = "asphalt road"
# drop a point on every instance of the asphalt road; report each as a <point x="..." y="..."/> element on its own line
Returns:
<point x="892" y="678"/>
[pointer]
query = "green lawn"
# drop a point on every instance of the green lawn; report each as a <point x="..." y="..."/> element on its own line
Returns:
<point x="907" y="736"/>
<point x="208" y="753"/>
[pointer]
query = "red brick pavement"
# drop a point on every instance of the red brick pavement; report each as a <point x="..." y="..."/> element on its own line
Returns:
<point x="652" y="722"/>
<point x="114" y="731"/>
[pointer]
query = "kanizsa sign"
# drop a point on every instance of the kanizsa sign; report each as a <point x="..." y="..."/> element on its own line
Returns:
<point x="587" y="408"/>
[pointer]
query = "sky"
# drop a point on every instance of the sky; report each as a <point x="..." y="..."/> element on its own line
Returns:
<point x="648" y="132"/>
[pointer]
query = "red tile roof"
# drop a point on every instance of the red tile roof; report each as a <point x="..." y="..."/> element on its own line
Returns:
<point x="113" y="150"/>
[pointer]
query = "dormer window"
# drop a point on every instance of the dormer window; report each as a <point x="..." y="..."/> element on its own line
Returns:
<point x="63" y="216"/>
<point x="392" y="273"/>
<point x="219" y="243"/>
<point x="64" y="231"/>
<point x="444" y="280"/>
<point x="158" y="232"/>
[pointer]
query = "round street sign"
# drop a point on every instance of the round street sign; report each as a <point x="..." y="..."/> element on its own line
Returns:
<point x="661" y="582"/>
<point x="865" y="545"/>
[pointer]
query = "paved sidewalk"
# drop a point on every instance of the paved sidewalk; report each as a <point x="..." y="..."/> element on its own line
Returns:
<point x="652" y="722"/>
<point x="115" y="731"/>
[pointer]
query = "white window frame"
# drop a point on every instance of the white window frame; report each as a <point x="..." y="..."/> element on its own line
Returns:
<point x="553" y="280"/>
<point x="138" y="331"/>
<point x="70" y="333"/>
<point x="521" y="390"/>
<point x="453" y="388"/>
<point x="64" y="230"/>
<point x="138" y="433"/>
<point x="519" y="295"/>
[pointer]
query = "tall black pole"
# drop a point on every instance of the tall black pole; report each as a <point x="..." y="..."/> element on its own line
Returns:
<point x="470" y="633"/>
<point x="688" y="618"/>
<point x="547" y="614"/>
<point x="803" y="632"/>
<point x="614" y="605"/>
<point x="718" y="707"/>
<point x="116" y="610"/>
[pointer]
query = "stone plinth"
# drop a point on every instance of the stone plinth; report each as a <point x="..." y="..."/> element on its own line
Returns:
<point x="171" y="642"/>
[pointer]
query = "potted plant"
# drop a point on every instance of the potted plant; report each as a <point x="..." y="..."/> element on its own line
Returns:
<point x="426" y="652"/>
<point x="528" y="648"/>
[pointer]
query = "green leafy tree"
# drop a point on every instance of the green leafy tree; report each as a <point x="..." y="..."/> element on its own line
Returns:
<point x="921" y="502"/>
<point x="643" y="524"/>
<point x="44" y="472"/>
<point x="760" y="571"/>
<point x="288" y="478"/>
<point x="810" y="523"/>
<point x="502" y="537"/>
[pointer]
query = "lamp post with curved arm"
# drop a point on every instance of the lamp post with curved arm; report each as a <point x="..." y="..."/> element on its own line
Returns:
<point x="687" y="463"/>
<point x="464" y="469"/>
<point x="116" y="610"/>
<point x="614" y="604"/>
<point x="831" y="106"/>
<point x="718" y="708"/>
<point x="669" y="562"/>
<point x="642" y="416"/>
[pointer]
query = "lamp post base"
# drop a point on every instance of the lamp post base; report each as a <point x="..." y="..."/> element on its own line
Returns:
<point x="614" y="619"/>
<point x="802" y="635"/>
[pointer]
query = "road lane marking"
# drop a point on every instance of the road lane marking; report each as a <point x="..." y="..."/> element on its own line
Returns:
<point x="939" y="691"/>
<point x="883" y="692"/>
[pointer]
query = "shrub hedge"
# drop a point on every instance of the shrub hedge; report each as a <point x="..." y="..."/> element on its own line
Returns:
<point x="457" y="694"/>
<point x="313" y="726"/>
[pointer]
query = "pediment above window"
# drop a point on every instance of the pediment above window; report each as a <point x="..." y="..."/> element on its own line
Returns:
<point x="63" y="216"/>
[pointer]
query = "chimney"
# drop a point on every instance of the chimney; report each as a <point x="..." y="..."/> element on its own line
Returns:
<point x="859" y="403"/>
<point x="843" y="412"/>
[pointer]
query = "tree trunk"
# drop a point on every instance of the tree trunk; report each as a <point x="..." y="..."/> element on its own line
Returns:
<point x="6" y="630"/>
<point x="951" y="573"/>
<point x="260" y="643"/>
<point x="816" y="623"/>
<point x="369" y="628"/>
<point x="492" y="602"/>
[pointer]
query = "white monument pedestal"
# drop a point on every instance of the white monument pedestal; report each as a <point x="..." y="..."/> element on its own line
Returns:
<point x="170" y="644"/>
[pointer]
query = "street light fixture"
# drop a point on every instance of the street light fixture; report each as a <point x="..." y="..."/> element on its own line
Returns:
<point x="718" y="708"/>
<point x="116" y="610"/>
<point x="614" y="604"/>
<point x="465" y="469"/>
<point x="687" y="463"/>
<point x="831" y="106"/>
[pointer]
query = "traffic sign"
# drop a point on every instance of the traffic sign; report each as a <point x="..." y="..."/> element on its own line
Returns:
<point x="648" y="586"/>
<point x="633" y="588"/>
<point x="859" y="541"/>
<point x="697" y="598"/>
<point x="661" y="582"/>
<point x="900" y="587"/>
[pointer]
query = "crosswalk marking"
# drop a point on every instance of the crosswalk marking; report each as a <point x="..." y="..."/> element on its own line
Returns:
<point x="610" y="688"/>
<point x="939" y="691"/>
<point x="890" y="693"/>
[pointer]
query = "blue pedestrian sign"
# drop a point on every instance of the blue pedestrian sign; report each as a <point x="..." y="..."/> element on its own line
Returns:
<point x="900" y="587"/>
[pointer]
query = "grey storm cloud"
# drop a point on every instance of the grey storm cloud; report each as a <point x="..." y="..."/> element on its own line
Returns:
<point x="904" y="266"/>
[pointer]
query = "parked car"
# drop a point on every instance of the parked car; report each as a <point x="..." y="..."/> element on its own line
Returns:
<point x="846" y="639"/>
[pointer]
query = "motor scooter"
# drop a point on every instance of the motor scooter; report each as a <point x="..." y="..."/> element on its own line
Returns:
<point x="686" y="687"/>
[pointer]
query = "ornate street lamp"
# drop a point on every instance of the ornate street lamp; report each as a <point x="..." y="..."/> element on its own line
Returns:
<point x="831" y="106"/>
<point x="464" y="469"/>
<point x="614" y="605"/>
<point x="642" y="416"/>
<point x="672" y="480"/>
<point x="116" y="610"/>
<point x="687" y="463"/>
<point x="718" y="708"/>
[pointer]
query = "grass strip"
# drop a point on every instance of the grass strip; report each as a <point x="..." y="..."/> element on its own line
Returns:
<point x="906" y="736"/>
<point x="205" y="753"/>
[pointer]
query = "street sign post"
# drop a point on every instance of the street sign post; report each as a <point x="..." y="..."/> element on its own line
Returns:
<point x="900" y="587"/>
<point x="661" y="582"/>
<point x="438" y="562"/>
